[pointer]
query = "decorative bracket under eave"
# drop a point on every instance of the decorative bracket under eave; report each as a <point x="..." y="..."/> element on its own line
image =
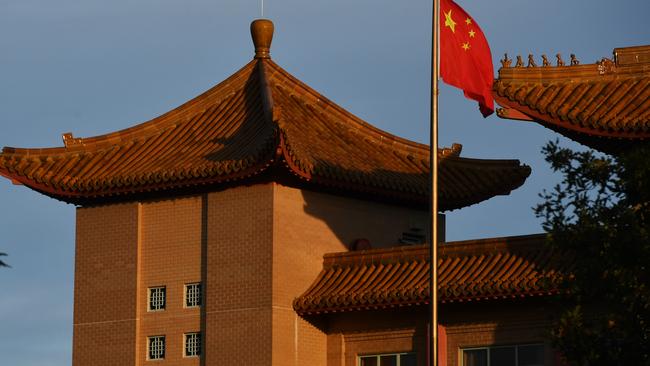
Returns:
<point x="511" y="113"/>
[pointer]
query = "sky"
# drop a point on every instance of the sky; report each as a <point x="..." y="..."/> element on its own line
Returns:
<point x="92" y="67"/>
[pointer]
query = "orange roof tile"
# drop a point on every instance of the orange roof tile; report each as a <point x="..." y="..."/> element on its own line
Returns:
<point x="260" y="124"/>
<point x="605" y="105"/>
<point x="499" y="268"/>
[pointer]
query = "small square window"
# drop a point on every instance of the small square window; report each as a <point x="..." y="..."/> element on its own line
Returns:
<point x="157" y="297"/>
<point x="156" y="349"/>
<point x="192" y="344"/>
<point x="193" y="295"/>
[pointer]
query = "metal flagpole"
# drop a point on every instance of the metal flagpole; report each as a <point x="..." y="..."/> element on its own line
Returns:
<point x="433" y="283"/>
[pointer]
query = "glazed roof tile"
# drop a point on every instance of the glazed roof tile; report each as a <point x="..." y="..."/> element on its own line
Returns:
<point x="603" y="105"/>
<point x="258" y="122"/>
<point x="488" y="269"/>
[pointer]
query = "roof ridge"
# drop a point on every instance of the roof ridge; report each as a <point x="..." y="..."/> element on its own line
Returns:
<point x="327" y="104"/>
<point x="475" y="246"/>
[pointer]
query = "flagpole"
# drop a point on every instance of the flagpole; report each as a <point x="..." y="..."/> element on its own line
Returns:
<point x="433" y="283"/>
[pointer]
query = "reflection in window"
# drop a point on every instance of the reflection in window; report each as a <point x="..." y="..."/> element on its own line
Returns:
<point x="393" y="359"/>
<point x="516" y="355"/>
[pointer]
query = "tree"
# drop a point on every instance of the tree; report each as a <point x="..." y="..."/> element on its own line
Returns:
<point x="3" y="264"/>
<point x="600" y="212"/>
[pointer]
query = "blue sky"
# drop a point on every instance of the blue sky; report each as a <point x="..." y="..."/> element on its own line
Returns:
<point x="92" y="67"/>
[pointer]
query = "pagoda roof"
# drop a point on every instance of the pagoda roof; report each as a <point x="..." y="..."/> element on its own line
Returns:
<point x="604" y="105"/>
<point x="475" y="270"/>
<point x="260" y="124"/>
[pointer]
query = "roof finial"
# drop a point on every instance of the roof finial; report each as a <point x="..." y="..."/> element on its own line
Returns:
<point x="262" y="33"/>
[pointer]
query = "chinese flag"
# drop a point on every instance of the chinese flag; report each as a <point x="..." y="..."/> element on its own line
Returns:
<point x="465" y="57"/>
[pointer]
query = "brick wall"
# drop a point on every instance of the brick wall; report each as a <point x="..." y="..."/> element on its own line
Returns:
<point x="238" y="284"/>
<point x="171" y="257"/>
<point x="376" y="332"/>
<point x="307" y="225"/>
<point x="254" y="249"/>
<point x="489" y="323"/>
<point x="485" y="323"/>
<point x="105" y="290"/>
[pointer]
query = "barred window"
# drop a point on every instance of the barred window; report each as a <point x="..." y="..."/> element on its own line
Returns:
<point x="389" y="359"/>
<point x="157" y="297"/>
<point x="193" y="295"/>
<point x="192" y="344"/>
<point x="156" y="347"/>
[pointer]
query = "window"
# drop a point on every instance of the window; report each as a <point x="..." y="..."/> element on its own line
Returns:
<point x="192" y="344"/>
<point x="192" y="295"/>
<point x="391" y="359"/>
<point x="156" y="349"/>
<point x="519" y="355"/>
<point x="157" y="298"/>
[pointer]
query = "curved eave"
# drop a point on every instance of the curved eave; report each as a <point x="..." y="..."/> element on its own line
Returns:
<point x="126" y="192"/>
<point x="600" y="105"/>
<point x="472" y="271"/>
<point x="403" y="171"/>
<point x="260" y="116"/>
<point x="385" y="305"/>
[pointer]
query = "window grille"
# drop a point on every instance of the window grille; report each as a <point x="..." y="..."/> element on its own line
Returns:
<point x="192" y="344"/>
<point x="193" y="295"/>
<point x="156" y="348"/>
<point x="389" y="359"/>
<point x="157" y="298"/>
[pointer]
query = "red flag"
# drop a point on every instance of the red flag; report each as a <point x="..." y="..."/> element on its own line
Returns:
<point x="465" y="57"/>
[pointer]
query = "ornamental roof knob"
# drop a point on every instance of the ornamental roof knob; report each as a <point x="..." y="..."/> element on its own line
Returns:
<point x="262" y="33"/>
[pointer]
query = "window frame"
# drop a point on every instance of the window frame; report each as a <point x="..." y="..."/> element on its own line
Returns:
<point x="164" y="298"/>
<point x="185" y="293"/>
<point x="150" y="340"/>
<point x="488" y="348"/>
<point x="199" y="347"/>
<point x="378" y="355"/>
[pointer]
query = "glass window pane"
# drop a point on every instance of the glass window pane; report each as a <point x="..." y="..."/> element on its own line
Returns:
<point x="531" y="355"/>
<point x="388" y="360"/>
<point x="408" y="360"/>
<point x="503" y="356"/>
<point x="369" y="361"/>
<point x="475" y="357"/>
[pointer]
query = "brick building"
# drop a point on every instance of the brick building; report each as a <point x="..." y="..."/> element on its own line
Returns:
<point x="261" y="224"/>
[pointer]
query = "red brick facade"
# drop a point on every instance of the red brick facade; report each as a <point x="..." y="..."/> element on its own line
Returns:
<point x="254" y="249"/>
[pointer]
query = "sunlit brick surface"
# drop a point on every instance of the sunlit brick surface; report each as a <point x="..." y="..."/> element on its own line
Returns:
<point x="254" y="250"/>
<point x="105" y="285"/>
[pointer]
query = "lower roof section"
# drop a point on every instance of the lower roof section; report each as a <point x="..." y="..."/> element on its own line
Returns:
<point x="475" y="270"/>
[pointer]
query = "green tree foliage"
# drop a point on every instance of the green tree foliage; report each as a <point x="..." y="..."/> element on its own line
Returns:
<point x="601" y="212"/>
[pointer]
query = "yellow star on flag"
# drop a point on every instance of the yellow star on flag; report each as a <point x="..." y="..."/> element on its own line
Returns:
<point x="449" y="22"/>
<point x="466" y="46"/>
<point x="468" y="21"/>
<point x="472" y="33"/>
